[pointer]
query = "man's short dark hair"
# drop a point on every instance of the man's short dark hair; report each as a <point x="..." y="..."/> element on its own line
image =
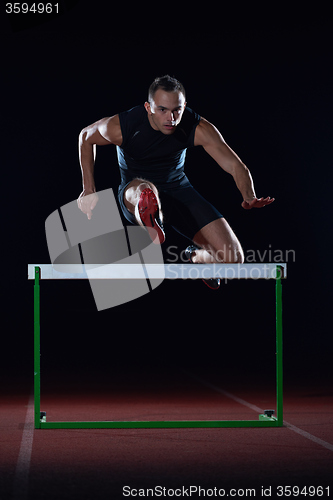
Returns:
<point x="166" y="83"/>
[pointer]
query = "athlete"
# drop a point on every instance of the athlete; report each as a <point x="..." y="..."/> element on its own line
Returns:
<point x="151" y="142"/>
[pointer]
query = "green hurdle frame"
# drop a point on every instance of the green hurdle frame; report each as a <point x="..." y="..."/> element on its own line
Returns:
<point x="265" y="420"/>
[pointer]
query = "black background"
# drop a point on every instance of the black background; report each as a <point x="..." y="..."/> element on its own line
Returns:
<point x="264" y="78"/>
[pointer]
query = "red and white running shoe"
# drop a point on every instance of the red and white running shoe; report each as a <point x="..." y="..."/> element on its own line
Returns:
<point x="149" y="215"/>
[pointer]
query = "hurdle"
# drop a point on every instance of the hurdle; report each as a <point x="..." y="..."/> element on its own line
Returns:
<point x="265" y="271"/>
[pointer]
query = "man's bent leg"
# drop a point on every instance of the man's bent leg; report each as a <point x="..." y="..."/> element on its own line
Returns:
<point x="217" y="243"/>
<point x="142" y="200"/>
<point x="132" y="195"/>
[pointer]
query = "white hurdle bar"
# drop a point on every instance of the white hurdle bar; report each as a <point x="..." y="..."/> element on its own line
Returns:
<point x="158" y="271"/>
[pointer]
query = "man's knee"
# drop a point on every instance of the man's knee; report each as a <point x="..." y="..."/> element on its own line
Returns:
<point x="236" y="255"/>
<point x="229" y="254"/>
<point x="133" y="192"/>
<point x="239" y="256"/>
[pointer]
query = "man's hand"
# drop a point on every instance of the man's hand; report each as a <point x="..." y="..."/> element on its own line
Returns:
<point x="257" y="203"/>
<point x="87" y="203"/>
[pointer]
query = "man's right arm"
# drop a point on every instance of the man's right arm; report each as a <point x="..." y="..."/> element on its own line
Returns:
<point x="101" y="133"/>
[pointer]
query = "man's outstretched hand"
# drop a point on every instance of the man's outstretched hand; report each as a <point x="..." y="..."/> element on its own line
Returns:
<point x="257" y="203"/>
<point x="87" y="203"/>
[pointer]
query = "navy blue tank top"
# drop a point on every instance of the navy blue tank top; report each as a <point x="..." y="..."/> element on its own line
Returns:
<point x="149" y="154"/>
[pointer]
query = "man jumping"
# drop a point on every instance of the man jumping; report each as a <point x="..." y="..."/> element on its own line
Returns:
<point x="151" y="142"/>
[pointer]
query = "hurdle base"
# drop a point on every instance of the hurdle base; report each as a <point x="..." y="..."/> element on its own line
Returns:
<point x="181" y="424"/>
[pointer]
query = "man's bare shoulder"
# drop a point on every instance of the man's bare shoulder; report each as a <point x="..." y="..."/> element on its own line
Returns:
<point x="103" y="132"/>
<point x="205" y="133"/>
<point x="110" y="129"/>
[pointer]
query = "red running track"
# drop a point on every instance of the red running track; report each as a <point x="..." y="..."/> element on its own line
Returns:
<point x="98" y="464"/>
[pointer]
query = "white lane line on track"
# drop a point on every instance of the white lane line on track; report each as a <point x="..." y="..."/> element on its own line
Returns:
<point x="241" y="401"/>
<point x="21" y="478"/>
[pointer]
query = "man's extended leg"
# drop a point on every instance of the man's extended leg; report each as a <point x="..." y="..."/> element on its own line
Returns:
<point x="142" y="200"/>
<point x="217" y="243"/>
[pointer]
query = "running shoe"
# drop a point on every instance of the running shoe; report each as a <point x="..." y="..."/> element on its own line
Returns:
<point x="212" y="283"/>
<point x="149" y="215"/>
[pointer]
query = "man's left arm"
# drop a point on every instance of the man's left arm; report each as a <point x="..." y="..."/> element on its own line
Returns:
<point x="207" y="136"/>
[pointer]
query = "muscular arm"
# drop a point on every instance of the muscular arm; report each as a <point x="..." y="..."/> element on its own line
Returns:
<point x="209" y="137"/>
<point x="101" y="133"/>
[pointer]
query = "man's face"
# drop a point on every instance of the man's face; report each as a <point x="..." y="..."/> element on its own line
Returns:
<point x="165" y="111"/>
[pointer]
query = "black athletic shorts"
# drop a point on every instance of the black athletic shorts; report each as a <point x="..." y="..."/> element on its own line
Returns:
<point x="182" y="206"/>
